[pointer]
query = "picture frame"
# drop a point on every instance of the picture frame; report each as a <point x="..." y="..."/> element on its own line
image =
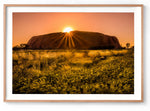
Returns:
<point x="9" y="9"/>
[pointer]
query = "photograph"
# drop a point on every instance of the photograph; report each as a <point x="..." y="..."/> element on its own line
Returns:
<point x="73" y="53"/>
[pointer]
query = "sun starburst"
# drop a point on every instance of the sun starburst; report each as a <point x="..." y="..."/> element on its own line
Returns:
<point x="68" y="29"/>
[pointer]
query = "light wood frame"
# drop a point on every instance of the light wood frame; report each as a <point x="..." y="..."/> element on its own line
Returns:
<point x="71" y="5"/>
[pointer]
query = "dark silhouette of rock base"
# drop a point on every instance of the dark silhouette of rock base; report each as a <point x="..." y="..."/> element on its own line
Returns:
<point x="74" y="40"/>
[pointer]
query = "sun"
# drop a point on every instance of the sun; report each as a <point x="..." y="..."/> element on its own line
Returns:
<point x="67" y="29"/>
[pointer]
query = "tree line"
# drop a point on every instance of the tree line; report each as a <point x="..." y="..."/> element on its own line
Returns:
<point x="25" y="46"/>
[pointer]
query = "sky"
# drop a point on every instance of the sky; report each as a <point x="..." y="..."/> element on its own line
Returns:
<point x="27" y="25"/>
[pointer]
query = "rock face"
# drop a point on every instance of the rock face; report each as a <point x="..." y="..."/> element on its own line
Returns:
<point x="74" y="40"/>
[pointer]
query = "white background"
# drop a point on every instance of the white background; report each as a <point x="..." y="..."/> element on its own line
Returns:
<point x="145" y="106"/>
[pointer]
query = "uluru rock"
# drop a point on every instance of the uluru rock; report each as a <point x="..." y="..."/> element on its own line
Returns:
<point x="74" y="40"/>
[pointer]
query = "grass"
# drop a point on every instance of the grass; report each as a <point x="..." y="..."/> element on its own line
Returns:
<point x="73" y="72"/>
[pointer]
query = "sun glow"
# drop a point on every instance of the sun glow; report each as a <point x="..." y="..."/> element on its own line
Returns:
<point x="67" y="29"/>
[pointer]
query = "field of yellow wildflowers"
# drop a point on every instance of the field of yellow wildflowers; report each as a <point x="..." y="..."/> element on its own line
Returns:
<point x="73" y="71"/>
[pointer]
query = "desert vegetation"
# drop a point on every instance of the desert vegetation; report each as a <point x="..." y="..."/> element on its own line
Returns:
<point x="73" y="71"/>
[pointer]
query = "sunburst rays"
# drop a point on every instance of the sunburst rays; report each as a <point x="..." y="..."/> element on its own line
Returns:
<point x="66" y="41"/>
<point x="70" y="40"/>
<point x="57" y="39"/>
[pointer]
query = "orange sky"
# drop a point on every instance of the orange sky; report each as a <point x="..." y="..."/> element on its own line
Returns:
<point x="26" y="25"/>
